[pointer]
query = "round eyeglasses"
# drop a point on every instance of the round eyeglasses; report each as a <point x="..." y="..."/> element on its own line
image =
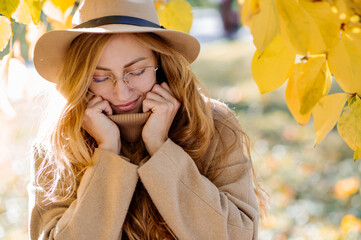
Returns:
<point x="132" y="79"/>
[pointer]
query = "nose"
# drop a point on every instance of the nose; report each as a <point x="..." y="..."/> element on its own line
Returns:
<point x="121" y="91"/>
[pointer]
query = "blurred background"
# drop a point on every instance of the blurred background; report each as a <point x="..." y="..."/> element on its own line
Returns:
<point x="315" y="192"/>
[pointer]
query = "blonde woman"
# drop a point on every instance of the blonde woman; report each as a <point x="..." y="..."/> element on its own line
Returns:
<point x="137" y="151"/>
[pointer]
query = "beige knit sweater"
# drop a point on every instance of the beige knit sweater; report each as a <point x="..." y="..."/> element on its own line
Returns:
<point x="192" y="205"/>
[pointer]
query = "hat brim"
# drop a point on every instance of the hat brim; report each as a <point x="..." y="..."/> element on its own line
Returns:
<point x="50" y="49"/>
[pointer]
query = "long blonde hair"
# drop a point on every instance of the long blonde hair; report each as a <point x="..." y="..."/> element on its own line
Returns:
<point x="67" y="150"/>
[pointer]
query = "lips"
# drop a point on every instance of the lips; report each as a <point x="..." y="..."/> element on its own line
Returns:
<point x="127" y="107"/>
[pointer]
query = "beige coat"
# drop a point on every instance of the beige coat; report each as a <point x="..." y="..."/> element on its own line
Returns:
<point x="192" y="205"/>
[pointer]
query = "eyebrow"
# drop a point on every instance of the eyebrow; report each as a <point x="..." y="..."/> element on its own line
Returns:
<point x="125" y="66"/>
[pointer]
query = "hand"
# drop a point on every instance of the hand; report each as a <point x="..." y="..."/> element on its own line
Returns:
<point x="164" y="106"/>
<point x="105" y="132"/>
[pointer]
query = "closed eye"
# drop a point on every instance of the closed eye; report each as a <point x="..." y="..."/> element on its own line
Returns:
<point x="100" y="79"/>
<point x="137" y="72"/>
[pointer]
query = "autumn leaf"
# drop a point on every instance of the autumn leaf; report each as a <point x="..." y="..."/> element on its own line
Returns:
<point x="270" y="69"/>
<point x="347" y="187"/>
<point x="293" y="102"/>
<point x="59" y="20"/>
<point x="349" y="224"/>
<point x="35" y="9"/>
<point x="349" y="124"/>
<point x="63" y="5"/>
<point x="298" y="29"/>
<point x="27" y="11"/>
<point x="345" y="63"/>
<point x="5" y="32"/>
<point x="326" y="113"/>
<point x="249" y="9"/>
<point x="7" y="7"/>
<point x="265" y="25"/>
<point x="327" y="20"/>
<point x="343" y="9"/>
<point x="312" y="80"/>
<point x="357" y="154"/>
<point x="175" y="15"/>
<point x="22" y="13"/>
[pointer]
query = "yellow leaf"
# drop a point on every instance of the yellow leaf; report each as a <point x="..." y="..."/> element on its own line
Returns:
<point x="357" y="154"/>
<point x="349" y="224"/>
<point x="27" y="11"/>
<point x="63" y="5"/>
<point x="270" y="69"/>
<point x="293" y="102"/>
<point x="249" y="9"/>
<point x="326" y="113"/>
<point x="35" y="9"/>
<point x="327" y="21"/>
<point x="5" y="32"/>
<point x="346" y="187"/>
<point x="356" y="7"/>
<point x="349" y="124"/>
<point x="55" y="25"/>
<point x="22" y="13"/>
<point x="343" y="9"/>
<point x="345" y="63"/>
<point x="298" y="29"/>
<point x="176" y="15"/>
<point x="312" y="80"/>
<point x="7" y="7"/>
<point x="262" y="33"/>
<point x="59" y="20"/>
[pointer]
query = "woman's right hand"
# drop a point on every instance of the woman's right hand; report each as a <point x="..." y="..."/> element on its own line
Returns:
<point x="105" y="132"/>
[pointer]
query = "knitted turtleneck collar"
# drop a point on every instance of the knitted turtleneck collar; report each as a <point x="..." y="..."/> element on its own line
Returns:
<point x="130" y="125"/>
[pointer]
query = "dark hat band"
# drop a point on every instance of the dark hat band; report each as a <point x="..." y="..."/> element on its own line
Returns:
<point x="96" y="22"/>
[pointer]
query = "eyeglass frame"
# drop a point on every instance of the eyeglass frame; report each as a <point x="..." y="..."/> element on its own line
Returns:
<point x="127" y="74"/>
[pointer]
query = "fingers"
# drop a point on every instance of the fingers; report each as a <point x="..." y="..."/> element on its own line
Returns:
<point x="104" y="106"/>
<point x="165" y="92"/>
<point x="89" y="95"/>
<point x="149" y="104"/>
<point x="99" y="105"/>
<point x="166" y="87"/>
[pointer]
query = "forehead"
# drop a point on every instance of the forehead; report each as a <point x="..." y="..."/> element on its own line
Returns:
<point x="122" y="49"/>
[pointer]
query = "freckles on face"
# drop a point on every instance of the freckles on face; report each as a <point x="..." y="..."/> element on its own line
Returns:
<point x="123" y="54"/>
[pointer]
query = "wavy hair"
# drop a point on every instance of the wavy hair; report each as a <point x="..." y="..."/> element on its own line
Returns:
<point x="68" y="148"/>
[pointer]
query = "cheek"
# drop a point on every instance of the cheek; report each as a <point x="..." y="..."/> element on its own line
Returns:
<point x="145" y="88"/>
<point x="98" y="90"/>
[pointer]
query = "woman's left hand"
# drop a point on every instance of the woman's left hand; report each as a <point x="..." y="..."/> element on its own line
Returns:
<point x="164" y="106"/>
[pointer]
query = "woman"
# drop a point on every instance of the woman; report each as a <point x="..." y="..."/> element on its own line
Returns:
<point x="137" y="152"/>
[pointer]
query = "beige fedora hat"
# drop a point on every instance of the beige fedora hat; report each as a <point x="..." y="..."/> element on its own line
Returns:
<point x="107" y="16"/>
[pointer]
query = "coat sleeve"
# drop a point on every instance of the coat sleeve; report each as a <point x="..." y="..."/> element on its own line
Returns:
<point x="96" y="212"/>
<point x="192" y="205"/>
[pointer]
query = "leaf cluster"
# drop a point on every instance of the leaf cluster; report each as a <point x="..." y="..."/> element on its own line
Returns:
<point x="306" y="42"/>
